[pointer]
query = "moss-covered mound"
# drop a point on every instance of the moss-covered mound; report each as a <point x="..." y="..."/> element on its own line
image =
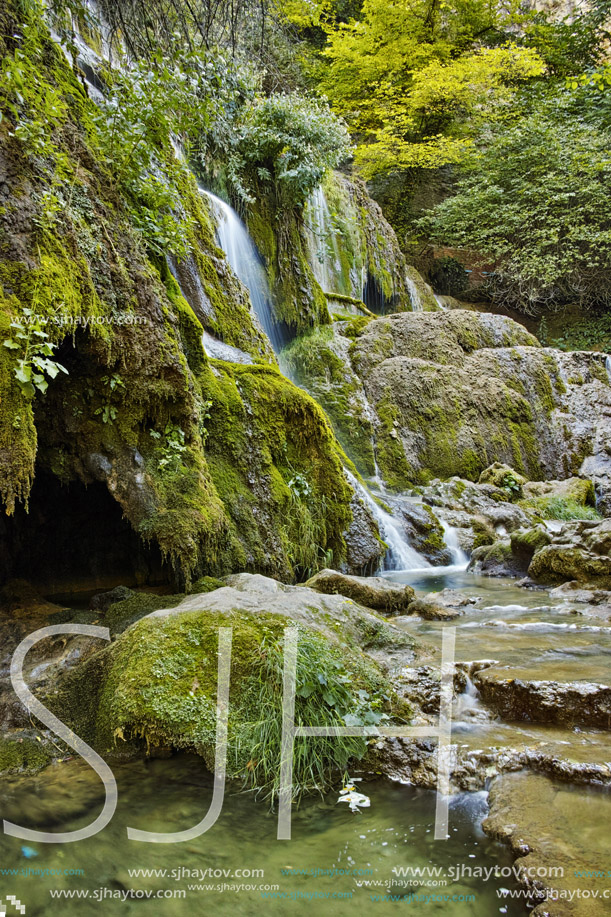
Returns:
<point x="219" y="467"/>
<point x="453" y="393"/>
<point x="156" y="686"/>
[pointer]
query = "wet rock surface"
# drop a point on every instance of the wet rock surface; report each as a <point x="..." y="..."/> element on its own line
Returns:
<point x="560" y="838"/>
<point x="519" y="695"/>
<point x="371" y="591"/>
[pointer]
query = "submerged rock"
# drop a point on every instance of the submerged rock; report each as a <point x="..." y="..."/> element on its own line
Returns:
<point x="371" y="591"/>
<point x="431" y="611"/>
<point x="560" y="838"/>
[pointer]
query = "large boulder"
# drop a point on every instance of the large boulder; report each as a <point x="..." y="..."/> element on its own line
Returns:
<point x="542" y="413"/>
<point x="370" y="591"/>
<point x="155" y="687"/>
<point x="558" y="563"/>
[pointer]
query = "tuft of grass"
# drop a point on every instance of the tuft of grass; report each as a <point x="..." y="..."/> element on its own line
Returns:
<point x="561" y="508"/>
<point x="326" y="695"/>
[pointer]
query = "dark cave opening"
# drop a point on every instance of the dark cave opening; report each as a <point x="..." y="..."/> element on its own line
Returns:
<point x="374" y="298"/>
<point x="74" y="539"/>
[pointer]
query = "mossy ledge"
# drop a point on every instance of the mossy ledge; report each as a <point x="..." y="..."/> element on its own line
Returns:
<point x="221" y="467"/>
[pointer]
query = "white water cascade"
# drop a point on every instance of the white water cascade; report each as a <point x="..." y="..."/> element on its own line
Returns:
<point x="414" y="294"/>
<point x="608" y="367"/>
<point x="322" y="241"/>
<point x="242" y="254"/>
<point x="459" y="558"/>
<point x="400" y="554"/>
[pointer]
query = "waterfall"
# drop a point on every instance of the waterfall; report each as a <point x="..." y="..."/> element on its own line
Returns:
<point x="242" y="254"/>
<point x="414" y="294"/>
<point x="400" y="554"/>
<point x="322" y="241"/>
<point x="450" y="536"/>
<point x="608" y="367"/>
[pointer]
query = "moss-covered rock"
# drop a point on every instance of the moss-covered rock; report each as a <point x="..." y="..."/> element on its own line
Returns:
<point x="418" y="372"/>
<point x="559" y="563"/>
<point x="319" y="361"/>
<point x="497" y="559"/>
<point x="432" y="611"/>
<point x="218" y="469"/>
<point x="371" y="591"/>
<point x="505" y="478"/>
<point x="525" y="543"/>
<point x="22" y="754"/>
<point x="157" y="684"/>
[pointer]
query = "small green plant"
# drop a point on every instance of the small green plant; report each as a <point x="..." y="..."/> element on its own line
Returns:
<point x="171" y="447"/>
<point x="35" y="365"/>
<point x="510" y="484"/>
<point x="299" y="486"/>
<point x="108" y="412"/>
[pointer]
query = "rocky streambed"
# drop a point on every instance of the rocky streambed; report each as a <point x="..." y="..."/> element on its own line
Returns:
<point x="530" y="722"/>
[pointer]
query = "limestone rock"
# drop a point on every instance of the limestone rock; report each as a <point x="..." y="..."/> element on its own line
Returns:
<point x="517" y="695"/>
<point x="431" y="611"/>
<point x="370" y="591"/>
<point x="557" y="563"/>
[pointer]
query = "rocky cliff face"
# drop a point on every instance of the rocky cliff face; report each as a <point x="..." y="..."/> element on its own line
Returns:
<point x="187" y="462"/>
<point x="449" y="393"/>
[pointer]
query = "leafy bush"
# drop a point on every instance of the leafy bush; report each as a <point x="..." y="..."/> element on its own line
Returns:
<point x="35" y="364"/>
<point x="286" y="144"/>
<point x="448" y="276"/>
<point x="535" y="201"/>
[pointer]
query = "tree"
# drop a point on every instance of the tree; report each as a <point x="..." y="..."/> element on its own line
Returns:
<point x="535" y="199"/>
<point x="409" y="77"/>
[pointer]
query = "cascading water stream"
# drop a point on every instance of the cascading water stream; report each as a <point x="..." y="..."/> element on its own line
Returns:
<point x="246" y="263"/>
<point x="608" y="367"/>
<point x="459" y="558"/>
<point x="400" y="554"/>
<point x="414" y="294"/>
<point x="322" y="238"/>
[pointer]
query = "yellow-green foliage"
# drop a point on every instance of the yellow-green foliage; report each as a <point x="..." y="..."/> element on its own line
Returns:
<point x="410" y="76"/>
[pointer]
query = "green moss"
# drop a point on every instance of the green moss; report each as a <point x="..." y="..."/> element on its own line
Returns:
<point x="125" y="613"/>
<point x="314" y="362"/>
<point x="23" y="755"/>
<point x="524" y="544"/>
<point x="353" y="327"/>
<point x="278" y="231"/>
<point x="279" y="471"/>
<point x="158" y="683"/>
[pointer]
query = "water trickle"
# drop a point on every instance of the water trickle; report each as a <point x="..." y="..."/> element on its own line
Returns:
<point x="468" y="713"/>
<point x="242" y="254"/>
<point x="323" y="244"/>
<point x="450" y="536"/>
<point x="400" y="554"/>
<point x="414" y="294"/>
<point x="608" y="367"/>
